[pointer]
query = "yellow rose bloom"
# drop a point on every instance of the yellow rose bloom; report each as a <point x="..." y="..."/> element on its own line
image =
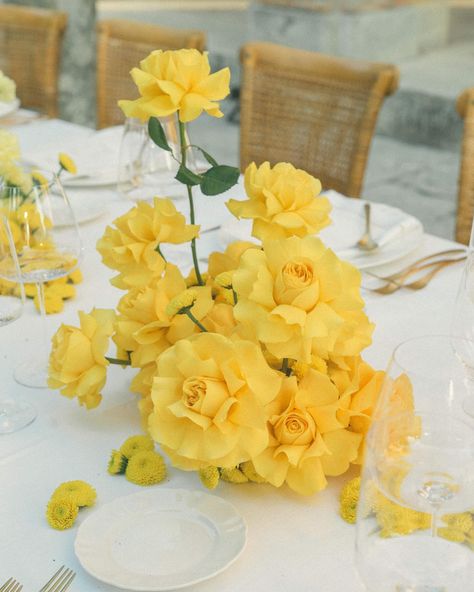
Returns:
<point x="177" y="81"/>
<point x="67" y="163"/>
<point x="80" y="492"/>
<point x="130" y="247"/>
<point x="61" y="513"/>
<point x="219" y="262"/>
<point x="77" y="363"/>
<point x="282" y="201"/>
<point x="306" y="439"/>
<point x="300" y="300"/>
<point x="209" y="395"/>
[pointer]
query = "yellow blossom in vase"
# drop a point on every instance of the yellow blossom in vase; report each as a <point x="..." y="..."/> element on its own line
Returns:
<point x="306" y="440"/>
<point x="282" y="201"/>
<point x="9" y="147"/>
<point x="67" y="163"/>
<point x="209" y="395"/>
<point x="130" y="246"/>
<point x="177" y="81"/>
<point x="80" y="492"/>
<point x="77" y="363"/>
<point x="61" y="513"/>
<point x="7" y="88"/>
<point x="301" y="300"/>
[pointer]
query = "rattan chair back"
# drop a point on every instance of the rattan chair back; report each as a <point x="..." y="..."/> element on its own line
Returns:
<point x="121" y="45"/>
<point x="30" y="51"/>
<point x="315" y="111"/>
<point x="465" y="106"/>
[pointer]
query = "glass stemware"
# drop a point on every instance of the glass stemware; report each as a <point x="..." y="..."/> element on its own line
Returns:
<point x="15" y="413"/>
<point x="44" y="237"/>
<point x="415" y="523"/>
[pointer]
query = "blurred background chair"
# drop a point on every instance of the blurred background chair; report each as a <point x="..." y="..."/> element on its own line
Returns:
<point x="30" y="51"/>
<point x="121" y="45"/>
<point x="465" y="106"/>
<point x="315" y="111"/>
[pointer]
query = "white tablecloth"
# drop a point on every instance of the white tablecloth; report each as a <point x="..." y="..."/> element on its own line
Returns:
<point x="294" y="543"/>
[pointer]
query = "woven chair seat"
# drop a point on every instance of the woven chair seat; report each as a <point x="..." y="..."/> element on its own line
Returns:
<point x="465" y="106"/>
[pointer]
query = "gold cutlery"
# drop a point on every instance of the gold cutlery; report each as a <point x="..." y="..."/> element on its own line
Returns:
<point x="416" y="264"/>
<point x="366" y="241"/>
<point x="11" y="585"/>
<point x="60" y="581"/>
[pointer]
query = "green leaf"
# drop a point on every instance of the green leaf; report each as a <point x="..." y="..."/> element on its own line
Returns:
<point x="184" y="175"/>
<point x="218" y="179"/>
<point x="212" y="161"/>
<point x="157" y="134"/>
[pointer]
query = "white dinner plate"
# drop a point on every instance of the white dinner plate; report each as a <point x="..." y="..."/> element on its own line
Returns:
<point x="9" y="108"/>
<point x="160" y="539"/>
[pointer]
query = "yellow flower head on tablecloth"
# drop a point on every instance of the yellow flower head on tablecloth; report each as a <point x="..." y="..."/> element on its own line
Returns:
<point x="177" y="81"/>
<point x="136" y="444"/>
<point x="146" y="468"/>
<point x="300" y="299"/>
<point x="77" y="363"/>
<point x="80" y="492"/>
<point x="209" y="395"/>
<point x="7" y="88"/>
<point x="61" y="513"/>
<point x="130" y="246"/>
<point x="306" y="440"/>
<point x="282" y="201"/>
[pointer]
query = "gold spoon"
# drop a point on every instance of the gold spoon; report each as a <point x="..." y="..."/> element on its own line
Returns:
<point x="366" y="242"/>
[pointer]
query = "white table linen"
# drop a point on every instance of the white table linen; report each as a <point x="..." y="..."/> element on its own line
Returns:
<point x="294" y="543"/>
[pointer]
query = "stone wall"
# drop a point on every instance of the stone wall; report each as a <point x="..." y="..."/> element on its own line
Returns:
<point x="77" y="78"/>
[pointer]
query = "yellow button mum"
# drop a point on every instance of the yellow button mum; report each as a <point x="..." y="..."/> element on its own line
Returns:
<point x="61" y="513"/>
<point x="177" y="81"/>
<point x="80" y="492"/>
<point x="67" y="163"/>
<point x="146" y="468"/>
<point x="77" y="364"/>
<point x="282" y="201"/>
<point x="300" y="299"/>
<point x="209" y="395"/>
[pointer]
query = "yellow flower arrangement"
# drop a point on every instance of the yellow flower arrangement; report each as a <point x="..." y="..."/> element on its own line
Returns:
<point x="61" y="513"/>
<point x="80" y="492"/>
<point x="136" y="444"/>
<point x="146" y="468"/>
<point x="7" y="89"/>
<point x="282" y="201"/>
<point x="250" y="371"/>
<point x="177" y="81"/>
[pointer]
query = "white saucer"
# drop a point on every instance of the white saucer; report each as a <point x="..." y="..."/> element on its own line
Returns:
<point x="160" y="539"/>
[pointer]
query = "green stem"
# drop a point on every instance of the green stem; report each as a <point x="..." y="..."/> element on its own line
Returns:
<point x="234" y="294"/>
<point x="118" y="361"/>
<point x="195" y="321"/>
<point x="182" y="141"/>
<point x="285" y="367"/>
<point x="158" y="250"/>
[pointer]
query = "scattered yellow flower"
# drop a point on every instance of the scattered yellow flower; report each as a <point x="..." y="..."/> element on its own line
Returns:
<point x="209" y="476"/>
<point x="249" y="471"/>
<point x="177" y="81"/>
<point x="146" y="468"/>
<point x="349" y="499"/>
<point x="61" y="513"/>
<point x="77" y="363"/>
<point x="234" y="475"/>
<point x="67" y="163"/>
<point x="136" y="444"/>
<point x="282" y="201"/>
<point x="117" y="463"/>
<point x="209" y="394"/>
<point x="79" y="492"/>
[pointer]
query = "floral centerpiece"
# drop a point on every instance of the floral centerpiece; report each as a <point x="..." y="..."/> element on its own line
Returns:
<point x="7" y="89"/>
<point x="253" y="368"/>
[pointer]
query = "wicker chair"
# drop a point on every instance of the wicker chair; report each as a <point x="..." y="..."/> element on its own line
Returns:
<point x="121" y="45"/>
<point x="315" y="111"/>
<point x="30" y="50"/>
<point x="465" y="106"/>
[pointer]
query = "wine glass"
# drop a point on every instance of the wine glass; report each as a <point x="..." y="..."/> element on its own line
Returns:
<point x="145" y="169"/>
<point x="415" y="513"/>
<point x="44" y="237"/>
<point x="14" y="413"/>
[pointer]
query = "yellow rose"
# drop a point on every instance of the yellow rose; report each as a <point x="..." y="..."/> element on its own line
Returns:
<point x="77" y="363"/>
<point x="306" y="440"/>
<point x="282" y="201"/>
<point x="209" y="395"/>
<point x="7" y="88"/>
<point x="177" y="81"/>
<point x="144" y="326"/>
<point x="229" y="259"/>
<point x="301" y="300"/>
<point x="130" y="247"/>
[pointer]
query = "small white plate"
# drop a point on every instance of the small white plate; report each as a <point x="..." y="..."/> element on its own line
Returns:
<point x="160" y="539"/>
<point x="9" y="108"/>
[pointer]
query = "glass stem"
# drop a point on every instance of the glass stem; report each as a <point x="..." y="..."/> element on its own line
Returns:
<point x="182" y="142"/>
<point x="434" y="521"/>
<point x="42" y="307"/>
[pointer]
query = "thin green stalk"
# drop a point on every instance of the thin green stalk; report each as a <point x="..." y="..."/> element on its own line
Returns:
<point x="195" y="321"/>
<point x="118" y="361"/>
<point x="285" y="367"/>
<point x="182" y="141"/>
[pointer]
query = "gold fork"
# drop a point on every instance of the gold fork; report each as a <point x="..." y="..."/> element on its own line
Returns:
<point x="425" y="280"/>
<point x="60" y="581"/>
<point x="415" y="264"/>
<point x="11" y="585"/>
